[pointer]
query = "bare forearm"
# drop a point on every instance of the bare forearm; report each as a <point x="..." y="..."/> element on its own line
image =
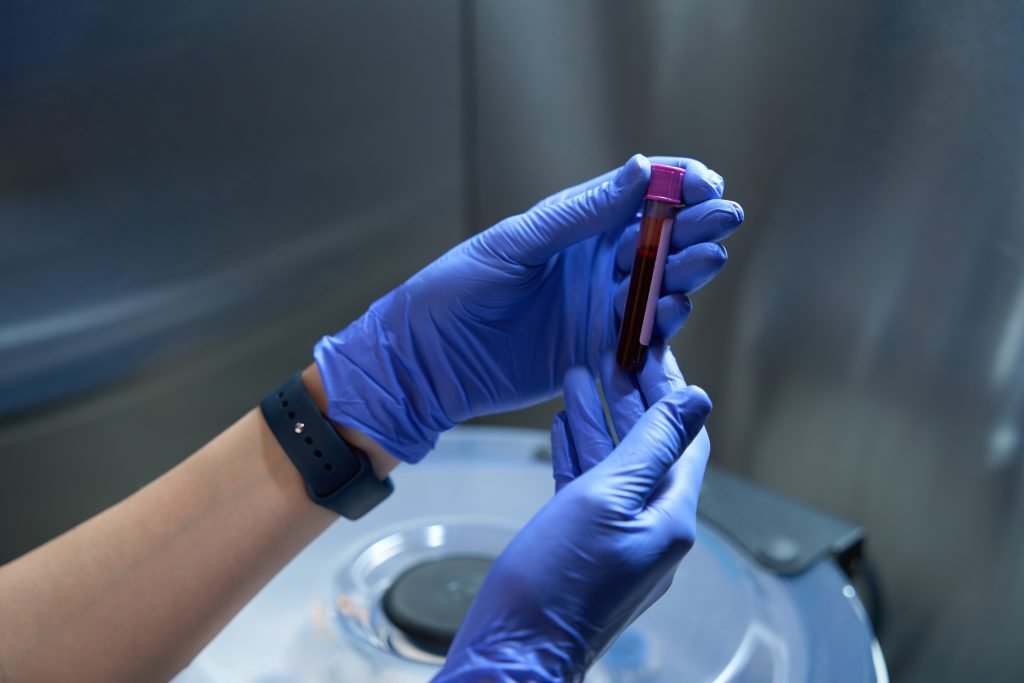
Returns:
<point x="133" y="593"/>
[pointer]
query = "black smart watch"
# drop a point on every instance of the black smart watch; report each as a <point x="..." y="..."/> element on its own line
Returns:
<point x="338" y="476"/>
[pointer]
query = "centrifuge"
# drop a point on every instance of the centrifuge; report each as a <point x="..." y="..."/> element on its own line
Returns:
<point x="762" y="596"/>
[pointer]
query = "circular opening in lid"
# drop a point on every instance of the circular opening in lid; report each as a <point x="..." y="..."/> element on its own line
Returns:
<point x="428" y="601"/>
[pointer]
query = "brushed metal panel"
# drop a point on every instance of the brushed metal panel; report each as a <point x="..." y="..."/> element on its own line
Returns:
<point x="168" y="173"/>
<point x="189" y="197"/>
<point x="864" y="345"/>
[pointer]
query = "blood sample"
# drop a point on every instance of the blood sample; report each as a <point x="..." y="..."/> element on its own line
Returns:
<point x="663" y="199"/>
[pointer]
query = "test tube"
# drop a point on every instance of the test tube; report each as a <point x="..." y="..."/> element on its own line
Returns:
<point x="664" y="197"/>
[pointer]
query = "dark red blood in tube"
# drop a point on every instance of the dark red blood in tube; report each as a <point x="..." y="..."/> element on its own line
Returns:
<point x="663" y="199"/>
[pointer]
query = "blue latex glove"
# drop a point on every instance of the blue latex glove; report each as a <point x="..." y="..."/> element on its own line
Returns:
<point x="494" y="324"/>
<point x="602" y="550"/>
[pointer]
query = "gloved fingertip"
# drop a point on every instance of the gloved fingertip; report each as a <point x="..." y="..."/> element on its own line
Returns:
<point x="671" y="314"/>
<point x="706" y="261"/>
<point x="562" y="467"/>
<point x="634" y="174"/>
<point x="701" y="184"/>
<point x="701" y="256"/>
<point x="694" y="407"/>
<point x="738" y="211"/>
<point x="717" y="182"/>
<point x="578" y="372"/>
<point x="575" y="376"/>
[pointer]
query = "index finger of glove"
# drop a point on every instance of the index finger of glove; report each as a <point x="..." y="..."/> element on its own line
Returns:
<point x="651" y="448"/>
<point x="585" y="415"/>
<point x="564" y="465"/>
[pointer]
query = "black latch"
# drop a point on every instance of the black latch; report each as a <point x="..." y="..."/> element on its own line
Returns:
<point x="780" y="533"/>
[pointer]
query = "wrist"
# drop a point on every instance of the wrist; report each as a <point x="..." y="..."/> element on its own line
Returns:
<point x="376" y="382"/>
<point x="381" y="461"/>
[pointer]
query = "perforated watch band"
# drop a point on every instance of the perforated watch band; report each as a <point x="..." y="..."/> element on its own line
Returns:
<point x="337" y="475"/>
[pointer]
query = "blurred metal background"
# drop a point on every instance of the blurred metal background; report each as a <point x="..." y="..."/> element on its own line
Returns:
<point x="186" y="205"/>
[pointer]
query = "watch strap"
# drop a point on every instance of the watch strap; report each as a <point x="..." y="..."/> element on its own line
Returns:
<point x="337" y="475"/>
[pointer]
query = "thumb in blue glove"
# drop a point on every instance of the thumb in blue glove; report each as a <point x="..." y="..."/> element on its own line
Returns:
<point x="599" y="553"/>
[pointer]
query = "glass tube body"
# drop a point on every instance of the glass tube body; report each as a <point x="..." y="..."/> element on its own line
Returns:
<point x="645" y="284"/>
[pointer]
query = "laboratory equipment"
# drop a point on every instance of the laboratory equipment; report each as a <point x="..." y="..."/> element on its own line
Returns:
<point x="727" y="617"/>
<point x="663" y="198"/>
<point x="600" y="552"/>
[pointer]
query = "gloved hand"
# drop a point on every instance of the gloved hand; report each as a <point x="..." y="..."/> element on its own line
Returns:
<point x="495" y="323"/>
<point x="602" y="550"/>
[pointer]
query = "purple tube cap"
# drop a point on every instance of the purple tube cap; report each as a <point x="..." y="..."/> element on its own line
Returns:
<point x="666" y="184"/>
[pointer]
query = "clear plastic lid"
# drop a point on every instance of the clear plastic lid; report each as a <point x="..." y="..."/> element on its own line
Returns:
<point x="723" y="619"/>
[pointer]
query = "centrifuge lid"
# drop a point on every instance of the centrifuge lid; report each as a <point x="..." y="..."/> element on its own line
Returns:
<point x="724" y="618"/>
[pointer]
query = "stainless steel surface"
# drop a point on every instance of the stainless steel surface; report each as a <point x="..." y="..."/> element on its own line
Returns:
<point x="864" y="346"/>
<point x="170" y="174"/>
<point x="187" y="202"/>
